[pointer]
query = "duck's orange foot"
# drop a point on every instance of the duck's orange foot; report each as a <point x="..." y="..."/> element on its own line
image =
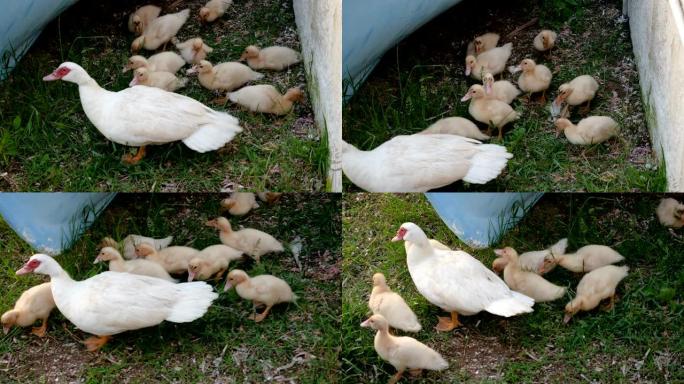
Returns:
<point x="132" y="160"/>
<point x="39" y="331"/>
<point x="446" y="324"/>
<point x="96" y="342"/>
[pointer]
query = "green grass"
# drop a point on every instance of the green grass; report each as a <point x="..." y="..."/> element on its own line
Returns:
<point x="641" y="339"/>
<point x="422" y="80"/>
<point x="222" y="346"/>
<point x="47" y="142"/>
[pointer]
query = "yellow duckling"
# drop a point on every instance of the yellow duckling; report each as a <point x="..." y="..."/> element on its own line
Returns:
<point x="136" y="266"/>
<point x="502" y="90"/>
<point x="525" y="282"/>
<point x="595" y="286"/>
<point x="275" y="58"/>
<point x="592" y="130"/>
<point x="482" y="43"/>
<point x="239" y="203"/>
<point x="489" y="111"/>
<point x="585" y="259"/>
<point x="455" y="126"/>
<point x="581" y="89"/>
<point x="142" y="17"/>
<point x="164" y="80"/>
<point x="263" y="290"/>
<point x="492" y="61"/>
<point x="392" y="306"/>
<point x="160" y="31"/>
<point x="224" y="76"/>
<point x="248" y="240"/>
<point x="174" y="259"/>
<point x="403" y="352"/>
<point x="212" y="261"/>
<point x="545" y="40"/>
<point x="35" y="303"/>
<point x="534" y="78"/>
<point x="670" y="213"/>
<point x="194" y="50"/>
<point x="214" y="9"/>
<point x="161" y="62"/>
<point x="270" y="197"/>
<point x="265" y="98"/>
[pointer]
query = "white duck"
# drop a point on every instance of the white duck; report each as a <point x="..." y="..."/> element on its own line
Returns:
<point x="418" y="163"/>
<point x="113" y="302"/>
<point x="140" y="115"/>
<point x="457" y="282"/>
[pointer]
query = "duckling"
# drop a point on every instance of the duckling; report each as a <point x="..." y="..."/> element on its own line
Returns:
<point x="482" y="43"/>
<point x="224" y="76"/>
<point x="581" y="89"/>
<point x="142" y="17"/>
<point x="403" y="352"/>
<point x="502" y="90"/>
<point x="455" y="126"/>
<point x="161" y="62"/>
<point x="269" y="197"/>
<point x="212" y="261"/>
<point x="35" y="303"/>
<point x="131" y="241"/>
<point x="670" y="213"/>
<point x="213" y="9"/>
<point x="164" y="80"/>
<point x="525" y="282"/>
<point x="534" y="78"/>
<point x="591" y="130"/>
<point x="174" y="259"/>
<point x="265" y="98"/>
<point x="534" y="261"/>
<point x="248" y="240"/>
<point x="392" y="306"/>
<point x="585" y="259"/>
<point x="492" y="61"/>
<point x="490" y="111"/>
<point x="239" y="203"/>
<point x="194" y="50"/>
<point x="160" y="31"/>
<point x="595" y="286"/>
<point x="136" y="267"/>
<point x="263" y="290"/>
<point x="545" y="40"/>
<point x="275" y="58"/>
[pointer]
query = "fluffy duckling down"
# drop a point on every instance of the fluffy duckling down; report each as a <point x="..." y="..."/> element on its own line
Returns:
<point x="391" y="306"/>
<point x="265" y="290"/>
<point x="174" y="259"/>
<point x="239" y="203"/>
<point x="275" y="58"/>
<point x="581" y="89"/>
<point x="595" y="286"/>
<point x="265" y="98"/>
<point x="534" y="78"/>
<point x="251" y="241"/>
<point x="136" y="267"/>
<point x="132" y="240"/>
<point x="482" y="43"/>
<point x="161" y="62"/>
<point x="142" y="17"/>
<point x="492" y="61"/>
<point x="160" y="31"/>
<point x="455" y="126"/>
<point x="35" y="303"/>
<point x="545" y="40"/>
<point x="591" y="130"/>
<point x="585" y="259"/>
<point x="193" y="50"/>
<point x="670" y="213"/>
<point x="403" y="352"/>
<point x="525" y="282"/>
<point x="534" y="261"/>
<point x="212" y="261"/>
<point x="489" y="111"/>
<point x="269" y="197"/>
<point x="164" y="80"/>
<point x="214" y="9"/>
<point x="224" y="76"/>
<point x="502" y="90"/>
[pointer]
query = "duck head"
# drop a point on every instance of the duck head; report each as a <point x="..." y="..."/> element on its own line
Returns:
<point x="507" y="253"/>
<point x="410" y="232"/>
<point x="470" y="62"/>
<point x="476" y="91"/>
<point x="377" y="322"/>
<point x="548" y="264"/>
<point x="70" y="72"/>
<point x="39" y="263"/>
<point x="572" y="308"/>
<point x="204" y="14"/>
<point x="564" y="91"/>
<point x="203" y="66"/>
<point x="194" y="268"/>
<point x="140" y="76"/>
<point x="488" y="82"/>
<point x="144" y="250"/>
<point x="135" y="62"/>
<point x="107" y="254"/>
<point x="561" y="125"/>
<point x="250" y="52"/>
<point x="235" y="278"/>
<point x="294" y="94"/>
<point x="8" y="320"/>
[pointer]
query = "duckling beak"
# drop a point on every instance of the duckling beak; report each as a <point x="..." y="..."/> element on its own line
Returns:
<point x="366" y="323"/>
<point x="5" y="329"/>
<point x="193" y="69"/>
<point x="499" y="252"/>
<point x="97" y="260"/>
<point x="466" y="97"/>
<point x="467" y="72"/>
<point x="133" y="82"/>
<point x="488" y="88"/>
<point x="227" y="286"/>
<point x="126" y="69"/>
<point x="567" y="318"/>
<point x="191" y="275"/>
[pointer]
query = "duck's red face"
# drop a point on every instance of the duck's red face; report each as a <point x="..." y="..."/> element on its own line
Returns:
<point x="29" y="267"/>
<point x="400" y="234"/>
<point x="57" y="74"/>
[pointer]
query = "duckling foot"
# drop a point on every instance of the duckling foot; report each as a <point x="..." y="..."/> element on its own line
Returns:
<point x="132" y="160"/>
<point x="396" y="377"/>
<point x="219" y="100"/>
<point x="611" y="303"/>
<point x="259" y="317"/>
<point x="585" y="109"/>
<point x="415" y="372"/>
<point x="446" y="324"/>
<point x="40" y="331"/>
<point x="94" y="343"/>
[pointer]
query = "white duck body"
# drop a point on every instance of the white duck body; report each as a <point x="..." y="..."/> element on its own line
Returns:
<point x="418" y="163"/>
<point x="141" y="115"/>
<point x="455" y="126"/>
<point x="391" y="306"/>
<point x="112" y="302"/>
<point x="456" y="281"/>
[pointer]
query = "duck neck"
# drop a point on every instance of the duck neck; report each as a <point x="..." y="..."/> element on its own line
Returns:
<point x="383" y="337"/>
<point x="380" y="289"/>
<point x="116" y="264"/>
